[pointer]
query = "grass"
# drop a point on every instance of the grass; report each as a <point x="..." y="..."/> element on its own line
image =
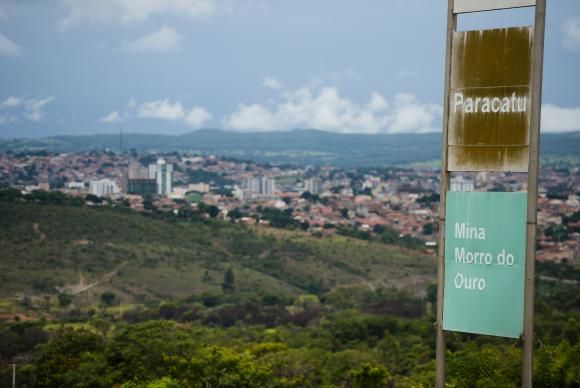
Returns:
<point x="142" y="258"/>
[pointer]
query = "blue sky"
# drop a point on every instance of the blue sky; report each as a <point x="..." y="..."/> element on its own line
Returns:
<point x="173" y="66"/>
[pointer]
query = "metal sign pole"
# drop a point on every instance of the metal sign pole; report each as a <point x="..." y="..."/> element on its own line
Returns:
<point x="536" y="103"/>
<point x="440" y="349"/>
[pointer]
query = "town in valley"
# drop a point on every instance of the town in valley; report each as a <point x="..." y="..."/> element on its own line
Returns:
<point x="396" y="204"/>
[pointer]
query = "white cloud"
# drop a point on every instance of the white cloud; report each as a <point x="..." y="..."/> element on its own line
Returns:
<point x="271" y="83"/>
<point x="131" y="11"/>
<point x="325" y="109"/>
<point x="163" y="109"/>
<point x="22" y="108"/>
<point x="34" y="109"/>
<point x="11" y="102"/>
<point x="557" y="119"/>
<point x="197" y="116"/>
<point x="252" y="118"/>
<point x="571" y="29"/>
<point x="164" y="39"/>
<point x="377" y="103"/>
<point x="8" y="48"/>
<point x="412" y="116"/>
<point x="113" y="117"/>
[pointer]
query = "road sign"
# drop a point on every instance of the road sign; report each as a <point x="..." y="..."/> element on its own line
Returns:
<point x="489" y="100"/>
<point x="485" y="237"/>
<point x="491" y="122"/>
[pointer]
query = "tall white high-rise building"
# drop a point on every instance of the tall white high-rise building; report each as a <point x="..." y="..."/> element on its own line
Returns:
<point x="267" y="186"/>
<point x="253" y="185"/>
<point x="312" y="185"/>
<point x="163" y="174"/>
<point x="262" y="186"/>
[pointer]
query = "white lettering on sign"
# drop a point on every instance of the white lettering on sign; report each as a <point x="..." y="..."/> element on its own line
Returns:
<point x="469" y="283"/>
<point x="466" y="232"/>
<point x="468" y="257"/>
<point x="513" y="104"/>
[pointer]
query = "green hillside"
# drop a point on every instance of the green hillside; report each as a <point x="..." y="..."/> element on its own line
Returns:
<point x="158" y="302"/>
<point x="83" y="251"/>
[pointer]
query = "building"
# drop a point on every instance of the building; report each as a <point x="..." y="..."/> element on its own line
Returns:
<point x="78" y="186"/>
<point x="163" y="174"/>
<point x="103" y="187"/>
<point x="462" y="184"/>
<point x="268" y="186"/>
<point x="312" y="185"/>
<point x="252" y="185"/>
<point x="262" y="186"/>
<point x="198" y="187"/>
<point x="142" y="187"/>
<point x="140" y="181"/>
<point x="136" y="171"/>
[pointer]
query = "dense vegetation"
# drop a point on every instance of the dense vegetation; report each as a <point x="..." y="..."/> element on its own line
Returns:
<point x="101" y="297"/>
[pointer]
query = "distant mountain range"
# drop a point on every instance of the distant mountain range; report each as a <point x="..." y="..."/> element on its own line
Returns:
<point x="296" y="147"/>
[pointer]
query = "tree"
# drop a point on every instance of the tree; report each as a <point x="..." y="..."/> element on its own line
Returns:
<point x="108" y="298"/>
<point x="148" y="205"/>
<point x="144" y="352"/>
<point x="235" y="214"/>
<point x="229" y="280"/>
<point x="93" y="198"/>
<point x="10" y="195"/>
<point x="367" y="191"/>
<point x="213" y="211"/>
<point x="57" y="361"/>
<point x="64" y="300"/>
<point x="220" y="367"/>
<point x="368" y="375"/>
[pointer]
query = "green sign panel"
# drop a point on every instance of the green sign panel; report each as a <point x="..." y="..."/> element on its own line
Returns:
<point x="485" y="238"/>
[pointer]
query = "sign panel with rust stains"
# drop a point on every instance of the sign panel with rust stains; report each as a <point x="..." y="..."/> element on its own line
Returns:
<point x="489" y="107"/>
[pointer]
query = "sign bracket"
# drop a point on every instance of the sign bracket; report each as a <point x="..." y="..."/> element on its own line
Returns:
<point x="536" y="107"/>
<point x="440" y="340"/>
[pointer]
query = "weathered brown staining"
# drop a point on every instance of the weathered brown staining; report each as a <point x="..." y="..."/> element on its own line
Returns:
<point x="489" y="115"/>
<point x="499" y="57"/>
<point x="488" y="158"/>
<point x="486" y="127"/>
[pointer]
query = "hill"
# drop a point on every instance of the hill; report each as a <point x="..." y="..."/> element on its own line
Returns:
<point x="296" y="147"/>
<point x="220" y="304"/>
<point x="86" y="251"/>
